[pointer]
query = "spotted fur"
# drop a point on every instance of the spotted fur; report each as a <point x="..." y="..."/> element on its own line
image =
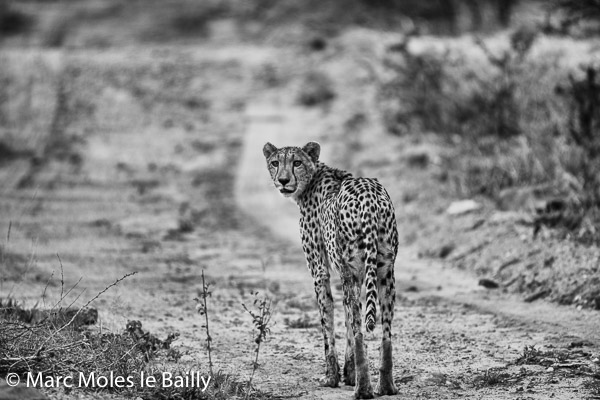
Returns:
<point x="347" y="224"/>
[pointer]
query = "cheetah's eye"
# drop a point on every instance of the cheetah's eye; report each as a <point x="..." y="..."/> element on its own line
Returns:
<point x="297" y="163"/>
<point x="274" y="164"/>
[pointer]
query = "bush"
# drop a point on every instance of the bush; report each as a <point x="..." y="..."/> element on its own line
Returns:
<point x="573" y="18"/>
<point x="583" y="98"/>
<point x="577" y="10"/>
<point x="440" y="92"/>
<point x="12" y="21"/>
<point x="514" y="129"/>
<point x="416" y="98"/>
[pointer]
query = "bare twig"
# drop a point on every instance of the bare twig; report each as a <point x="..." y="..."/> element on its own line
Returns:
<point x="8" y="233"/>
<point x="69" y="291"/>
<point x="203" y="309"/>
<point x="46" y="288"/>
<point x="84" y="306"/>
<point x="62" y="278"/>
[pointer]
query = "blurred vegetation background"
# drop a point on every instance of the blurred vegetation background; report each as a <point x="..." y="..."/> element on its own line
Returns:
<point x="100" y="23"/>
<point x="515" y="82"/>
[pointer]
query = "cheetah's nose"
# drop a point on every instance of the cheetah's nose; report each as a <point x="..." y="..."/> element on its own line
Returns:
<point x="284" y="181"/>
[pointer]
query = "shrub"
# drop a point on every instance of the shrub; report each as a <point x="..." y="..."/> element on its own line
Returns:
<point x="583" y="96"/>
<point x="416" y="98"/>
<point x="494" y="108"/>
<point x="515" y="130"/>
<point x="573" y="18"/>
<point x="580" y="9"/>
<point x="12" y="21"/>
<point x="444" y="93"/>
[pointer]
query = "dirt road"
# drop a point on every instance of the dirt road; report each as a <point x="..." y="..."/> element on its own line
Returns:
<point x="450" y="332"/>
<point x="169" y="201"/>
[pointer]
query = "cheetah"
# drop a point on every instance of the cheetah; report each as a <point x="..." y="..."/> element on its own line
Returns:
<point x="347" y="224"/>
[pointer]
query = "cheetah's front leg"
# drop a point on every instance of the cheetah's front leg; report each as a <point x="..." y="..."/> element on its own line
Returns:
<point x="325" y="300"/>
<point x="318" y="264"/>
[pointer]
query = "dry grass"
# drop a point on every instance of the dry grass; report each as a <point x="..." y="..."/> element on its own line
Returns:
<point x="517" y="113"/>
<point x="492" y="377"/>
<point x="48" y="343"/>
<point x="43" y="341"/>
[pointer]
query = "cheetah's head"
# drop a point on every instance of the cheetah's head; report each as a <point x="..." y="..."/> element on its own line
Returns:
<point x="292" y="168"/>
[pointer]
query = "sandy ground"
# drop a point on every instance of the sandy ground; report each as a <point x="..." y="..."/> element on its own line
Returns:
<point x="453" y="291"/>
<point x="123" y="213"/>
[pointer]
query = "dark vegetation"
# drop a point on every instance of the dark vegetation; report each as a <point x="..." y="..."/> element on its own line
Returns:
<point x="12" y="21"/>
<point x="578" y="18"/>
<point x="523" y="119"/>
<point x="59" y="341"/>
<point x="184" y="20"/>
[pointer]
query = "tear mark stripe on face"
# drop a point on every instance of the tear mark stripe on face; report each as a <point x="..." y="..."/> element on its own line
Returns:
<point x="293" y="169"/>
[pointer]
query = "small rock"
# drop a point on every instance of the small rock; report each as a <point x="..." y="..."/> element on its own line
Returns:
<point x="417" y="160"/>
<point x="317" y="44"/>
<point x="488" y="283"/>
<point x="550" y="369"/>
<point x="446" y="249"/>
<point x="462" y="207"/>
<point x="579" y="343"/>
<point x="549" y="262"/>
<point x="596" y="360"/>
<point x="477" y="224"/>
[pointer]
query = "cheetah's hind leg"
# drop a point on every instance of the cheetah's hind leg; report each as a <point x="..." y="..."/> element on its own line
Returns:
<point x="362" y="387"/>
<point x="387" y="294"/>
<point x="349" y="370"/>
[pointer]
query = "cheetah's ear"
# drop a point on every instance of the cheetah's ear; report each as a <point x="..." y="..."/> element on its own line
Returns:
<point x="269" y="149"/>
<point x="313" y="149"/>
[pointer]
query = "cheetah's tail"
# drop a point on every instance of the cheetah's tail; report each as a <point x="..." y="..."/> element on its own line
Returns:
<point x="371" y="276"/>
